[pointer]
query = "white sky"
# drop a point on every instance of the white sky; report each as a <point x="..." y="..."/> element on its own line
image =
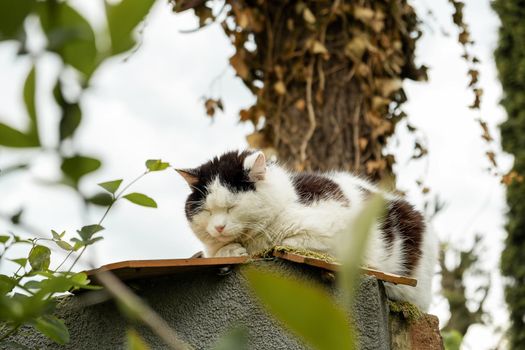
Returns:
<point x="149" y="106"/>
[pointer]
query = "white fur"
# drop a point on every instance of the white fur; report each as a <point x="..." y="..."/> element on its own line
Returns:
<point x="272" y="215"/>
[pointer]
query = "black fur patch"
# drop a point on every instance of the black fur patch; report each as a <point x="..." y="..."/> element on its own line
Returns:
<point x="229" y="169"/>
<point x="404" y="222"/>
<point x="311" y="187"/>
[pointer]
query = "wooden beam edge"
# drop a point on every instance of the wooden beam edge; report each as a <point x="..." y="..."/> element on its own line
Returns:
<point x="171" y="263"/>
<point x="167" y="263"/>
<point x="384" y="276"/>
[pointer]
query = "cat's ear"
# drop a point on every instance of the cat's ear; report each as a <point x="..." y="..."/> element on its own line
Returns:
<point x="190" y="175"/>
<point x="256" y="165"/>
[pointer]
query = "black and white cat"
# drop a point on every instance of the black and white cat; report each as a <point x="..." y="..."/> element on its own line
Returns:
<point x="241" y="205"/>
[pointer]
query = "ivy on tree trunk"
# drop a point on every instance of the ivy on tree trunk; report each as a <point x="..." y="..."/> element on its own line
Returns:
<point x="327" y="76"/>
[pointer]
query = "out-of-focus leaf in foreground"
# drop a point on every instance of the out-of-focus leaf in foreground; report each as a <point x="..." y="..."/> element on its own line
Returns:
<point x="304" y="308"/>
<point x="352" y="245"/>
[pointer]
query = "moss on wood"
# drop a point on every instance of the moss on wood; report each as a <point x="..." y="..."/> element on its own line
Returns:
<point x="405" y="310"/>
<point x="269" y="253"/>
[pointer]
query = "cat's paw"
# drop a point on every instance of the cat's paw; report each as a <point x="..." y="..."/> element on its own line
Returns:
<point x="234" y="249"/>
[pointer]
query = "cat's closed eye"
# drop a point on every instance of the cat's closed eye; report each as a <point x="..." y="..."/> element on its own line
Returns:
<point x="230" y="208"/>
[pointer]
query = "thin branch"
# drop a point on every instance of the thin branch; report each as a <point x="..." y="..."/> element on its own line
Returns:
<point x="355" y="126"/>
<point x="311" y="115"/>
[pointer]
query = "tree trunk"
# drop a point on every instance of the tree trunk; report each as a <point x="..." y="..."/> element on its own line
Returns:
<point x="327" y="76"/>
<point x="332" y="82"/>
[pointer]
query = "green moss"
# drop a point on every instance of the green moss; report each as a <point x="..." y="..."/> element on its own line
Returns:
<point x="268" y="253"/>
<point x="404" y="309"/>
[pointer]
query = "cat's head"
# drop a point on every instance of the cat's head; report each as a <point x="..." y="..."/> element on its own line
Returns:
<point x="223" y="192"/>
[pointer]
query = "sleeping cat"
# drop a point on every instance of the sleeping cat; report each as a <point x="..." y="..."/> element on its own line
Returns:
<point x="241" y="205"/>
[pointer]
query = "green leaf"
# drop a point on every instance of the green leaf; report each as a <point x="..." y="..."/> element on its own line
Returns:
<point x="6" y="284"/>
<point x="4" y="239"/>
<point x="56" y="284"/>
<point x="235" y="339"/>
<point x="452" y="339"/>
<point x="33" y="284"/>
<point x="80" y="279"/>
<point x="77" y="243"/>
<point x="21" y="308"/>
<point x="305" y="308"/>
<point x="47" y="274"/>
<point x="70" y="121"/>
<point x="30" y="101"/>
<point x="135" y="342"/>
<point x="20" y="261"/>
<point x="64" y="245"/>
<point x="71" y="114"/>
<point x="57" y="235"/>
<point x="141" y="199"/>
<point x="39" y="258"/>
<point x="78" y="166"/>
<point x="15" y="219"/>
<point x="20" y="240"/>
<point x="353" y="244"/>
<point x="111" y="186"/>
<point x="93" y="240"/>
<point x="53" y="328"/>
<point x="70" y="35"/>
<point x="10" y="137"/>
<point x="12" y="16"/>
<point x="156" y="165"/>
<point x="102" y="199"/>
<point x="87" y="232"/>
<point x="122" y="18"/>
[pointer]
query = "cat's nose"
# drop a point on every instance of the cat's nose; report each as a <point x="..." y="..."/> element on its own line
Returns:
<point x="219" y="228"/>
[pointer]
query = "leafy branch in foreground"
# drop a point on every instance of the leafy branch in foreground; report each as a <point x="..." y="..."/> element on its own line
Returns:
<point x="308" y="310"/>
<point x="28" y="296"/>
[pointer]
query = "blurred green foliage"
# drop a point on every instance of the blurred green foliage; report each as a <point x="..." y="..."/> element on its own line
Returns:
<point x="510" y="61"/>
<point x="81" y="48"/>
<point x="27" y="297"/>
<point x="452" y="339"/>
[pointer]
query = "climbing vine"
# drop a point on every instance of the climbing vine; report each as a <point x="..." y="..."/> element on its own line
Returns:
<point x="291" y="55"/>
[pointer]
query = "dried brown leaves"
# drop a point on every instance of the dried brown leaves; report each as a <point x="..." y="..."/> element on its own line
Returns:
<point x="302" y="46"/>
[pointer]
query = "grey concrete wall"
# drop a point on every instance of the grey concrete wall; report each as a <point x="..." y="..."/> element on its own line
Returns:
<point x="201" y="306"/>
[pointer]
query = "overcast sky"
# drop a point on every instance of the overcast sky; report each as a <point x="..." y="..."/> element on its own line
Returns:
<point x="149" y="106"/>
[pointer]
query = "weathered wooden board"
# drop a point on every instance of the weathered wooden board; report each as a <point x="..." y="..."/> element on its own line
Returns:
<point x="133" y="269"/>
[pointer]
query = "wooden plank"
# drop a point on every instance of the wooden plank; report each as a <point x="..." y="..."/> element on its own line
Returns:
<point x="171" y="262"/>
<point x="384" y="276"/>
<point x="133" y="269"/>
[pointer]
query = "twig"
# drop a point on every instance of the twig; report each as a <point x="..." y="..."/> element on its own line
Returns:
<point x="115" y="199"/>
<point x="311" y="114"/>
<point x="65" y="259"/>
<point x="355" y="124"/>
